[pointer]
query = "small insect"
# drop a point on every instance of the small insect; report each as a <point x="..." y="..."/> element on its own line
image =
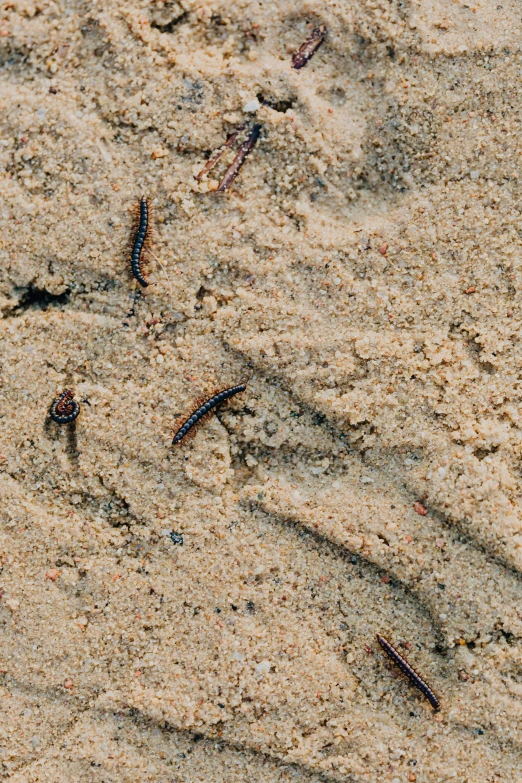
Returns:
<point x="234" y="168"/>
<point x="64" y="409"/>
<point x="307" y="50"/>
<point x="202" y="410"/>
<point x="409" y="671"/>
<point x="141" y="237"/>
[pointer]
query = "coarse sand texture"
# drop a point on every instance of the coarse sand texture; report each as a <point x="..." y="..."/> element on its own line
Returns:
<point x="334" y="219"/>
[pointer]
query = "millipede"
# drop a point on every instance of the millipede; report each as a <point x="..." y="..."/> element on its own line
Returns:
<point x="409" y="671"/>
<point x="64" y="409"/>
<point x="202" y="410"/>
<point x="141" y="237"/>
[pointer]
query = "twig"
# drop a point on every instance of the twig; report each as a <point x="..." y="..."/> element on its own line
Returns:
<point x="211" y="162"/>
<point x="233" y="170"/>
<point x="309" y="47"/>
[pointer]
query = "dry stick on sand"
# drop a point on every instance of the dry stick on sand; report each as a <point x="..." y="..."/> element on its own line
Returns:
<point x="211" y="162"/>
<point x="309" y="47"/>
<point x="233" y="170"/>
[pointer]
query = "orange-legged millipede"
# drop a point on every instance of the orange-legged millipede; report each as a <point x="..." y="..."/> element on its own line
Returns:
<point x="206" y="408"/>
<point x="142" y="231"/>
<point x="64" y="409"/>
<point x="409" y="671"/>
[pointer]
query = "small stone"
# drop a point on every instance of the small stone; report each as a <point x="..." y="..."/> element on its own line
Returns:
<point x="412" y="776"/>
<point x="176" y="538"/>
<point x="383" y="248"/>
<point x="68" y="683"/>
<point x="252" y="106"/>
<point x="52" y="574"/>
<point x="470" y="290"/>
<point x="420" y="509"/>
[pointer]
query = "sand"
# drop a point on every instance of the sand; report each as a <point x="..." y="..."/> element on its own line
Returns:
<point x="363" y="272"/>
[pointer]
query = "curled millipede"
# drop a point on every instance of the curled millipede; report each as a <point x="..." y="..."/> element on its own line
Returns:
<point x="307" y="50"/>
<point x="409" y="671"/>
<point x="64" y="409"/>
<point x="204" y="409"/>
<point x="142" y="235"/>
<point x="245" y="149"/>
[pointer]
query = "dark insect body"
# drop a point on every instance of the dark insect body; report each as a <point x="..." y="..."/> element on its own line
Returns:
<point x="233" y="170"/>
<point x="211" y="162"/>
<point x="409" y="671"/>
<point x="307" y="50"/>
<point x="64" y="409"/>
<point x="205" y="409"/>
<point x="140" y="239"/>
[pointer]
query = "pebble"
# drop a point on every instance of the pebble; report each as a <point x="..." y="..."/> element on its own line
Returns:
<point x="252" y="106"/>
<point x="420" y="509"/>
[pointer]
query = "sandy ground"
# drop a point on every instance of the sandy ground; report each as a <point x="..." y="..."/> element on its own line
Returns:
<point x="364" y="273"/>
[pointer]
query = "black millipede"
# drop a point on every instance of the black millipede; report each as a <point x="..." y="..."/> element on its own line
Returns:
<point x="409" y="671"/>
<point x="64" y="409"/>
<point x="141" y="236"/>
<point x="203" y="409"/>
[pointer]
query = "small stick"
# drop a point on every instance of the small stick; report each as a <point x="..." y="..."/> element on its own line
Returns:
<point x="309" y="47"/>
<point x="202" y="410"/>
<point x="233" y="170"/>
<point x="409" y="671"/>
<point x="211" y="162"/>
<point x="64" y="409"/>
